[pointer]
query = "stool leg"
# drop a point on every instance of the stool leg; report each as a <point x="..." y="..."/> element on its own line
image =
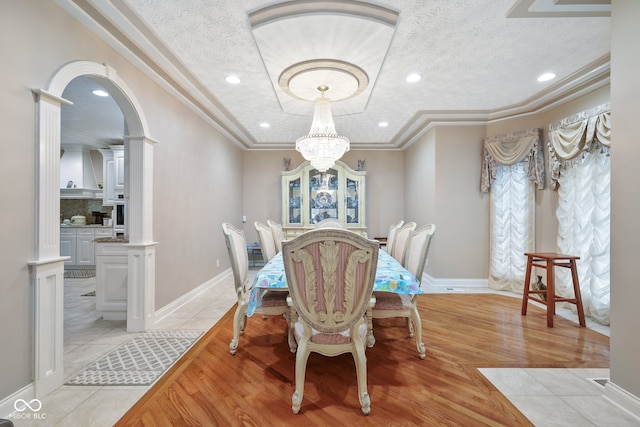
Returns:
<point x="551" y="293"/>
<point x="527" y="284"/>
<point x="578" y="294"/>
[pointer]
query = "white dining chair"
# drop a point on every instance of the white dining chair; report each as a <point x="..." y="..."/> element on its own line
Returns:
<point x="330" y="223"/>
<point x="401" y="241"/>
<point x="273" y="302"/>
<point x="276" y="232"/>
<point x="330" y="274"/>
<point x="393" y="229"/>
<point x="265" y="238"/>
<point x="389" y="304"/>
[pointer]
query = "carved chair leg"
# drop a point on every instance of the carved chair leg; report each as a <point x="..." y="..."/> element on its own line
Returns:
<point x="417" y="325"/>
<point x="239" y="319"/>
<point x="371" y="339"/>
<point x="291" y="338"/>
<point x="361" y="372"/>
<point x="301" y="367"/>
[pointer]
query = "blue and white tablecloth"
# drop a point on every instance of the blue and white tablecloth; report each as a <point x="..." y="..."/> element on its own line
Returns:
<point x="391" y="276"/>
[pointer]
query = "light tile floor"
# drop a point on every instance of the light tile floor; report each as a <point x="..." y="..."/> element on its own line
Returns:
<point x="569" y="394"/>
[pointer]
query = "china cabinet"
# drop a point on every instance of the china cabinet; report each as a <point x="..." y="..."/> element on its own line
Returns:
<point x="309" y="196"/>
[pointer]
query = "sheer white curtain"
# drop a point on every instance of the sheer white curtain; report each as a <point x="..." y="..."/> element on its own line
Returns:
<point x="513" y="165"/>
<point x="581" y="165"/>
<point x="512" y="226"/>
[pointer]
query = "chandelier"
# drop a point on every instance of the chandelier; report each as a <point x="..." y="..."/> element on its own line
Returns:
<point x="322" y="146"/>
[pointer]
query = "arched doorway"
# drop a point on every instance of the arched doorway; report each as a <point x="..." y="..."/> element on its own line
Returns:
<point x="47" y="269"/>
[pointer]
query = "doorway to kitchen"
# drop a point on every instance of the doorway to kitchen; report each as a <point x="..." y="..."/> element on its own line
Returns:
<point x="47" y="269"/>
<point x="91" y="133"/>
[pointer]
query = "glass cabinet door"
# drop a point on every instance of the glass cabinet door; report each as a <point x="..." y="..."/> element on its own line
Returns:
<point x="353" y="201"/>
<point x="295" y="202"/>
<point x="309" y="196"/>
<point x="323" y="195"/>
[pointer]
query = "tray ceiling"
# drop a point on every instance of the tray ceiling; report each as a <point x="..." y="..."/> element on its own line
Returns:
<point x="479" y="61"/>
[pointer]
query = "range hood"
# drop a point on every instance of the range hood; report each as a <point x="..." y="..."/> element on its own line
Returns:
<point x="77" y="175"/>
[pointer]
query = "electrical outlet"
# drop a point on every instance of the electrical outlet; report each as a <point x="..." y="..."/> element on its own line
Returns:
<point x="217" y="263"/>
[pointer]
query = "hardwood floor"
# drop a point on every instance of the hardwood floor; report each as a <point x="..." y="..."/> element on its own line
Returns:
<point x="209" y="386"/>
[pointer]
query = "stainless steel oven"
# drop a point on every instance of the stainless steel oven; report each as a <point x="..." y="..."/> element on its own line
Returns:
<point x="120" y="215"/>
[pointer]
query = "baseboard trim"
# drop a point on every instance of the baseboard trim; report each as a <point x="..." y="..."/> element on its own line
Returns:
<point x="454" y="283"/>
<point x="622" y="398"/>
<point x="8" y="404"/>
<point x="177" y="303"/>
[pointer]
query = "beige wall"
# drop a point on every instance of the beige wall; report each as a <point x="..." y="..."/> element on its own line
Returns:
<point x="198" y="184"/>
<point x="625" y="196"/>
<point x="198" y="175"/>
<point x="443" y="187"/>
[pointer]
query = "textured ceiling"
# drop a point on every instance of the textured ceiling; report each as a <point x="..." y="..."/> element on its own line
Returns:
<point x="477" y="63"/>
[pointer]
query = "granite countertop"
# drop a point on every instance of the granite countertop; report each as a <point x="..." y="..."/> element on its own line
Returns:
<point x="111" y="240"/>
<point x="84" y="226"/>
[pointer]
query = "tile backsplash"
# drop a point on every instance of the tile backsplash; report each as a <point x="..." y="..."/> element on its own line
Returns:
<point x="72" y="207"/>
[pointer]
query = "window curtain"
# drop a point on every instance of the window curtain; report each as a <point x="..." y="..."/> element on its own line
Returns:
<point x="512" y="167"/>
<point x="580" y="170"/>
<point x="509" y="149"/>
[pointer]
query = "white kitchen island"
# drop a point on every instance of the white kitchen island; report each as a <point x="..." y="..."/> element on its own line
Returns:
<point x="111" y="278"/>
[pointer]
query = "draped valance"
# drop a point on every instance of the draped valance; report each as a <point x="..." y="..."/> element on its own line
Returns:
<point x="585" y="131"/>
<point x="509" y="149"/>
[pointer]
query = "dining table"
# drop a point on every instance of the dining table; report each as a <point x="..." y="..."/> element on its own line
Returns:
<point x="391" y="276"/>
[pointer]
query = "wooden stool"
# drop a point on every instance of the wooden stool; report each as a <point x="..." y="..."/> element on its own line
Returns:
<point x="552" y="260"/>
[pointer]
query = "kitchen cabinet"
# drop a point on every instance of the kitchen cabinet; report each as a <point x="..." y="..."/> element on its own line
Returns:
<point x="68" y="244"/>
<point x="103" y="232"/>
<point x="78" y="244"/>
<point x="111" y="280"/>
<point x="85" y="254"/>
<point x="309" y="196"/>
<point x="118" y="168"/>
<point x="113" y="174"/>
<point x="108" y="194"/>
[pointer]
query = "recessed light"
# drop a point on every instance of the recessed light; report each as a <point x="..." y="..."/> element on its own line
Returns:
<point x="99" y="92"/>
<point x="546" y="77"/>
<point x="231" y="79"/>
<point x="265" y="125"/>
<point x="414" y="77"/>
<point x="383" y="124"/>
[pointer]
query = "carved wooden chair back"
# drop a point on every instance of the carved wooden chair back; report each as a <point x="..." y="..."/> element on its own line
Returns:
<point x="330" y="274"/>
<point x="393" y="229"/>
<point x="401" y="241"/>
<point x="330" y="223"/>
<point x="265" y="238"/>
<point x="418" y="250"/>
<point x="278" y="235"/>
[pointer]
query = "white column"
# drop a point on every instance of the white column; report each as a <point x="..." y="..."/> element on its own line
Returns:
<point x="141" y="255"/>
<point x="141" y="290"/>
<point x="47" y="270"/>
